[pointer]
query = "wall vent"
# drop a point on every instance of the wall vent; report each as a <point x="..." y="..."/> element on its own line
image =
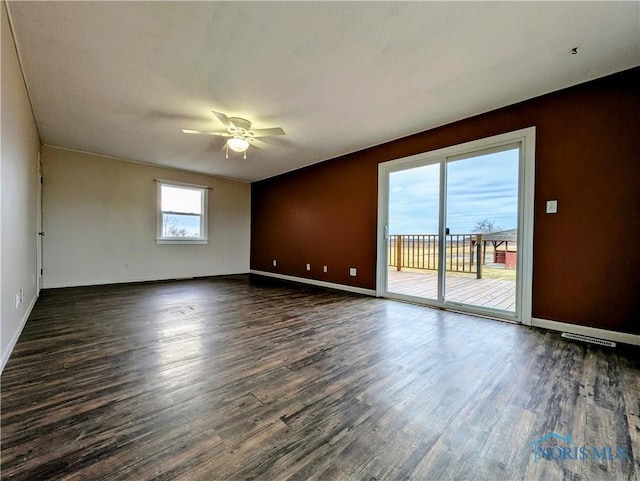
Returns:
<point x="592" y="340"/>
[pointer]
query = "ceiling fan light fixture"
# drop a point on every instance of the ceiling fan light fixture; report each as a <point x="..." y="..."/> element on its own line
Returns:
<point x="238" y="144"/>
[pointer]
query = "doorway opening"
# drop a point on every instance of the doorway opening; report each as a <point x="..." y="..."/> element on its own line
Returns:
<point x="455" y="227"/>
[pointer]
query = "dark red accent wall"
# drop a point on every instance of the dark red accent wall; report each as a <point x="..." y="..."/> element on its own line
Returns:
<point x="586" y="267"/>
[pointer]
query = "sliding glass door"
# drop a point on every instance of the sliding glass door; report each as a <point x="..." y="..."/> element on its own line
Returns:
<point x="455" y="227"/>
<point x="413" y="239"/>
<point x="482" y="229"/>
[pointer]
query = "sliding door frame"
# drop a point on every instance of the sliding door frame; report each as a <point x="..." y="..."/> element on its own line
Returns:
<point x="526" y="173"/>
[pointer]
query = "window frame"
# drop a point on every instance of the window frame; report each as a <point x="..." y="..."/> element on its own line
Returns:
<point x="204" y="215"/>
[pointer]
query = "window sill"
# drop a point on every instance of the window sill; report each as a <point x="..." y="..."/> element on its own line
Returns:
<point x="181" y="241"/>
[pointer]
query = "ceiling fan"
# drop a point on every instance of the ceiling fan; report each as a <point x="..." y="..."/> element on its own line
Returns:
<point x="238" y="132"/>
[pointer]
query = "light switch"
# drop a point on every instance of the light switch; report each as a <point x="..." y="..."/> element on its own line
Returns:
<point x="552" y="207"/>
<point x="353" y="271"/>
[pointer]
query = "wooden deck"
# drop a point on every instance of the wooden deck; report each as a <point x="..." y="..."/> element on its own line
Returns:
<point x="462" y="288"/>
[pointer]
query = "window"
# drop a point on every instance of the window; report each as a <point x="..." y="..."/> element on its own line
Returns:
<point x="182" y="213"/>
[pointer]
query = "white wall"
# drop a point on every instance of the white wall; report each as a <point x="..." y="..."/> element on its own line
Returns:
<point x="100" y="214"/>
<point x="19" y="180"/>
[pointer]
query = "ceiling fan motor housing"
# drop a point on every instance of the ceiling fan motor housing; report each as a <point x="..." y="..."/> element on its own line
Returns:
<point x="240" y="127"/>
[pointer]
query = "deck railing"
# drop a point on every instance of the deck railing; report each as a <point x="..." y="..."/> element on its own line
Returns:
<point x="420" y="251"/>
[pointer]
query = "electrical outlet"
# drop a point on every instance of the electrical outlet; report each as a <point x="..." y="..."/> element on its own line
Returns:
<point x="17" y="299"/>
<point x="353" y="272"/>
<point x="308" y="267"/>
<point x="275" y="262"/>
<point x="325" y="269"/>
<point x="126" y="266"/>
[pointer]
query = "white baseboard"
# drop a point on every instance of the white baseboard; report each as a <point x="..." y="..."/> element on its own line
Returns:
<point x="615" y="336"/>
<point x="12" y="343"/>
<point x="314" y="282"/>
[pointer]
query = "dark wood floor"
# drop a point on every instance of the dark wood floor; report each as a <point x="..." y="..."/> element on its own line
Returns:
<point x="227" y="379"/>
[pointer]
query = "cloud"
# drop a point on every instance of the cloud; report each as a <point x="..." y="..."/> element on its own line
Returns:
<point x="483" y="187"/>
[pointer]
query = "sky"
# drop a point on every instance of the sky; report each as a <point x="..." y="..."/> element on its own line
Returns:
<point x="190" y="223"/>
<point x="181" y="199"/>
<point x="481" y="187"/>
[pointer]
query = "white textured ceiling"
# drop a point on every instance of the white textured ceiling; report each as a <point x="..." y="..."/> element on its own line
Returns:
<point x="123" y="78"/>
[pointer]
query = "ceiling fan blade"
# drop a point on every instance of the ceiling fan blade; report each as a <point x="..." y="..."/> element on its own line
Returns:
<point x="221" y="133"/>
<point x="216" y="144"/>
<point x="268" y="132"/>
<point x="257" y="143"/>
<point x="223" y="119"/>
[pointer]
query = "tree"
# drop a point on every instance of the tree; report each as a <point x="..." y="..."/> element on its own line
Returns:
<point x="171" y="228"/>
<point x="485" y="226"/>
